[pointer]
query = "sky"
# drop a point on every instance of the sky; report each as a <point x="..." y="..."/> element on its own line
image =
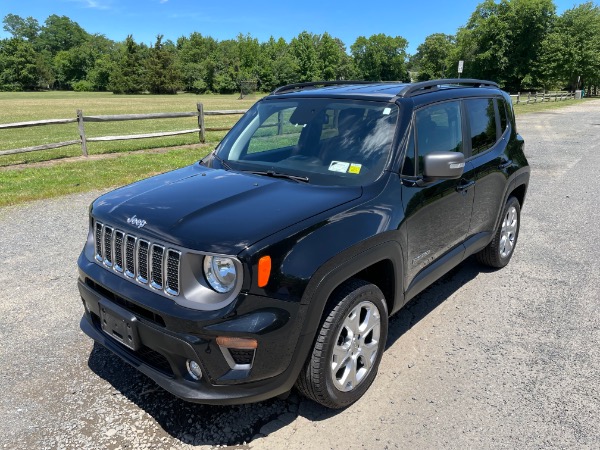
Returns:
<point x="346" y="20"/>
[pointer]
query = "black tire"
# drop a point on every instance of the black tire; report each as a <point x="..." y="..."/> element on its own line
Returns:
<point x="318" y="380"/>
<point x="498" y="252"/>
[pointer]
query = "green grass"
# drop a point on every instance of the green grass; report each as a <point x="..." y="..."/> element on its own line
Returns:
<point x="30" y="106"/>
<point x="523" y="108"/>
<point x="35" y="183"/>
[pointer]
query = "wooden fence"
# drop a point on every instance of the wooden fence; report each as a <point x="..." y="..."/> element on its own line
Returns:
<point x="81" y="119"/>
<point x="539" y="97"/>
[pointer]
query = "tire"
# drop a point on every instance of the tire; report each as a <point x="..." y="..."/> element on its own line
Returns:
<point x="498" y="252"/>
<point x="348" y="347"/>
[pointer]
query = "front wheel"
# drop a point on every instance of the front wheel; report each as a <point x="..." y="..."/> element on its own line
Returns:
<point x="499" y="251"/>
<point x="349" y="346"/>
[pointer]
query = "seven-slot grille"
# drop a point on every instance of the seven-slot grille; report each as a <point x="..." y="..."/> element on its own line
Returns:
<point x="137" y="259"/>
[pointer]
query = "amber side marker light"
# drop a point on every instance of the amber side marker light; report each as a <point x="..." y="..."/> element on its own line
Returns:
<point x="237" y="343"/>
<point x="264" y="271"/>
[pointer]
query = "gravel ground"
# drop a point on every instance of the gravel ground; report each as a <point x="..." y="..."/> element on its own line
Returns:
<point x="482" y="359"/>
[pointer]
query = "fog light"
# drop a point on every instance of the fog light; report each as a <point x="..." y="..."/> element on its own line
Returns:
<point x="194" y="369"/>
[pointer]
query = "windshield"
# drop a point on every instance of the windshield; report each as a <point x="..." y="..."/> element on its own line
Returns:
<point x="328" y="141"/>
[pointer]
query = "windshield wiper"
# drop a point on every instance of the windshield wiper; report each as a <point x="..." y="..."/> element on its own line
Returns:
<point x="222" y="161"/>
<point x="273" y="174"/>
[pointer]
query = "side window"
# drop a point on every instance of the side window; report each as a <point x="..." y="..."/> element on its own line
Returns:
<point x="482" y="120"/>
<point x="275" y="132"/>
<point x="439" y="129"/>
<point x="502" y="112"/>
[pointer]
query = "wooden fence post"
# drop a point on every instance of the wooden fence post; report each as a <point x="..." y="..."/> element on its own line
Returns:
<point x="201" y="126"/>
<point x="82" y="132"/>
<point x="518" y="97"/>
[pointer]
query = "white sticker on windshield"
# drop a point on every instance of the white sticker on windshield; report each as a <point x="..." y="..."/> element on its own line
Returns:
<point x="339" y="166"/>
<point x="387" y="111"/>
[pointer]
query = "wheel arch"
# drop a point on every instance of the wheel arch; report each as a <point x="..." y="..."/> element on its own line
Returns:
<point x="380" y="265"/>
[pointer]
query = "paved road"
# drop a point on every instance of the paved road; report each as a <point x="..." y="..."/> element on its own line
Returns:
<point x="505" y="359"/>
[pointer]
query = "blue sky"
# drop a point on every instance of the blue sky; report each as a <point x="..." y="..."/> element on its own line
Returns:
<point x="225" y="19"/>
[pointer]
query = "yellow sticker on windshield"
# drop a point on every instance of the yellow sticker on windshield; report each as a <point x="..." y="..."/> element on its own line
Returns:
<point x="355" y="168"/>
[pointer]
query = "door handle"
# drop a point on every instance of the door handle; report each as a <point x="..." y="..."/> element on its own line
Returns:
<point x="505" y="165"/>
<point x="465" y="187"/>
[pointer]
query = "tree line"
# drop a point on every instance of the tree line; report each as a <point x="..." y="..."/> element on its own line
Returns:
<point x="522" y="44"/>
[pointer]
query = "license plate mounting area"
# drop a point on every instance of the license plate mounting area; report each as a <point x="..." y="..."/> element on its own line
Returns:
<point x="119" y="324"/>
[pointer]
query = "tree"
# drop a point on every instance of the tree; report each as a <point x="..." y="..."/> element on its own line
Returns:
<point x="196" y="60"/>
<point x="433" y="56"/>
<point x="304" y="49"/>
<point x="502" y="41"/>
<point x="60" y="33"/>
<point x="571" y="51"/>
<point x="334" y="62"/>
<point x="277" y="65"/>
<point x="18" y="65"/>
<point x="163" y="76"/>
<point x="380" y="57"/>
<point x="20" y="28"/>
<point x="128" y="77"/>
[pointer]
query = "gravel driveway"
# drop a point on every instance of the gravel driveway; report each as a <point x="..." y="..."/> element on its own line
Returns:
<point x="482" y="359"/>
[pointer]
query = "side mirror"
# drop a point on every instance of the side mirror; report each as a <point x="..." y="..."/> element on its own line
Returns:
<point x="443" y="166"/>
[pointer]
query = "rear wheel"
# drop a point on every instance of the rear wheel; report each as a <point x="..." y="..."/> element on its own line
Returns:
<point x="349" y="346"/>
<point x="499" y="251"/>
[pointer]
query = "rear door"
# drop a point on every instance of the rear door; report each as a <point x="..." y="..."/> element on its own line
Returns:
<point x="487" y="142"/>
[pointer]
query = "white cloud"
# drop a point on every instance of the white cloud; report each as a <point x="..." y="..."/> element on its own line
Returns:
<point x="94" y="4"/>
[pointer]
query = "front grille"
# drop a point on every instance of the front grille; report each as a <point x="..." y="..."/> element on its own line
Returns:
<point x="138" y="259"/>
<point x="130" y="256"/>
<point x="142" y="257"/>
<point x="108" y="237"/>
<point x="118" y="262"/>
<point x="157" y="266"/>
<point x="172" y="279"/>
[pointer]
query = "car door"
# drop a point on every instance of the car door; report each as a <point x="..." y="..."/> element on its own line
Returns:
<point x="486" y="139"/>
<point x="437" y="213"/>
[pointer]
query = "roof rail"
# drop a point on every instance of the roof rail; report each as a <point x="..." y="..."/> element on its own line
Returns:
<point x="419" y="88"/>
<point x="314" y="84"/>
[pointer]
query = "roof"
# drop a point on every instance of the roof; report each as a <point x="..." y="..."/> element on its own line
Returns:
<point x="382" y="90"/>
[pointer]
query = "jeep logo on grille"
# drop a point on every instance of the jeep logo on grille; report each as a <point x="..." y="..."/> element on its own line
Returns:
<point x="136" y="222"/>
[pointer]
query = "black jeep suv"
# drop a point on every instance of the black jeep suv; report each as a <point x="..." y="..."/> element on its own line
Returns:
<point x="277" y="259"/>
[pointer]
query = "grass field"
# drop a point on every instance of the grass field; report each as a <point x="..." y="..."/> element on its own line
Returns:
<point x="29" y="106"/>
<point x="26" y="182"/>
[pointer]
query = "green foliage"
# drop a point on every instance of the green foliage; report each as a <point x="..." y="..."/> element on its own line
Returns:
<point x="522" y="44"/>
<point x="278" y="66"/>
<point x="60" y="33"/>
<point x="196" y="62"/>
<point x="20" y="28"/>
<point x="502" y="41"/>
<point x="381" y="57"/>
<point x="162" y="74"/>
<point x="304" y="49"/>
<point x="571" y="50"/>
<point x="433" y="56"/>
<point x="129" y="76"/>
<point x="18" y="65"/>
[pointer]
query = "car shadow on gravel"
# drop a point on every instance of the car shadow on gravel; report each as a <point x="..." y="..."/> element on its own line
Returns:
<point x="436" y="294"/>
<point x="196" y="424"/>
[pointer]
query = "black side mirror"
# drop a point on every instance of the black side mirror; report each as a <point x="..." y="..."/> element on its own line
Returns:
<point x="443" y="166"/>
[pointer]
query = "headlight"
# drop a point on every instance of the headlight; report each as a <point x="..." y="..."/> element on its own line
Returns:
<point x="220" y="273"/>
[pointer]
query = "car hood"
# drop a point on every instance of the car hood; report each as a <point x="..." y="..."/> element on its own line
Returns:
<point x="213" y="210"/>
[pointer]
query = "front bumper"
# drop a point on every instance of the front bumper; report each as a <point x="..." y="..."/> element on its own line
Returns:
<point x="168" y="337"/>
